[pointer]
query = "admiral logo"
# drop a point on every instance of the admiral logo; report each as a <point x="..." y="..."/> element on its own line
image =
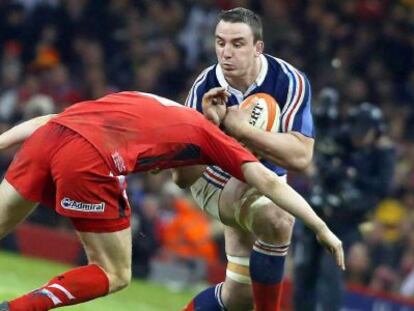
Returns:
<point x="70" y="204"/>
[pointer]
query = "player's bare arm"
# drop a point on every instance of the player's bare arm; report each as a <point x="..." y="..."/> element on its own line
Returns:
<point x="288" y="199"/>
<point x="291" y="150"/>
<point x="19" y="133"/>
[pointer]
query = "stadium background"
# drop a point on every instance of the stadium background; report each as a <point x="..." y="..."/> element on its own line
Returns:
<point x="55" y="53"/>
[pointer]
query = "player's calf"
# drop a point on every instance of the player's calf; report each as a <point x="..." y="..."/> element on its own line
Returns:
<point x="112" y="252"/>
<point x="237" y="289"/>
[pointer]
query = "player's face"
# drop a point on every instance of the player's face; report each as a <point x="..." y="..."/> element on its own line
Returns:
<point x="235" y="48"/>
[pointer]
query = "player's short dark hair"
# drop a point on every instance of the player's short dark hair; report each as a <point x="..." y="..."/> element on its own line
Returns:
<point x="246" y="16"/>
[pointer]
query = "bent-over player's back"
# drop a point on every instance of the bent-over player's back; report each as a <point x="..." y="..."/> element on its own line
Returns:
<point x="137" y="132"/>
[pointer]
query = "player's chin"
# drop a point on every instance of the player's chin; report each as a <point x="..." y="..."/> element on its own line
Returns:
<point x="231" y="72"/>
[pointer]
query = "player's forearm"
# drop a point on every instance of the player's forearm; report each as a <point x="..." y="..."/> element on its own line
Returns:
<point x="19" y="133"/>
<point x="292" y="151"/>
<point x="282" y="195"/>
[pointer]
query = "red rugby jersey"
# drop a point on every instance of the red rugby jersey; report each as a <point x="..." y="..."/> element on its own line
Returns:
<point x="137" y="132"/>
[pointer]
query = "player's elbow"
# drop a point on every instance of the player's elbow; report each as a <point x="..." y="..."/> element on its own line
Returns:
<point x="302" y="152"/>
<point x="180" y="182"/>
<point x="184" y="177"/>
<point x="180" y="179"/>
<point x="301" y="163"/>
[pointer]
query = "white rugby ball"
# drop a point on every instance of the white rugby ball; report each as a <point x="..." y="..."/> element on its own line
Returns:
<point x="265" y="111"/>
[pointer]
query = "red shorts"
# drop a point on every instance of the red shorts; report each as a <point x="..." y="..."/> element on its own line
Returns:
<point x="59" y="168"/>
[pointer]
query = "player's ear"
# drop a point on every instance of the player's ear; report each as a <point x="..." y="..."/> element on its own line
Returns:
<point x="259" y="47"/>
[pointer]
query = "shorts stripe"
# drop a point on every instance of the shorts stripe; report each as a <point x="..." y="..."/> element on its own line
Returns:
<point x="212" y="182"/>
<point x="216" y="176"/>
<point x="218" y="170"/>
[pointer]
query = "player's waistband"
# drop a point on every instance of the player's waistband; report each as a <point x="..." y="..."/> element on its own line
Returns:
<point x="216" y="176"/>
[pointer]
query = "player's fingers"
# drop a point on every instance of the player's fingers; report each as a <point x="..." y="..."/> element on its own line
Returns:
<point x="214" y="92"/>
<point x="222" y="97"/>
<point x="340" y="258"/>
<point x="226" y="94"/>
<point x="217" y="101"/>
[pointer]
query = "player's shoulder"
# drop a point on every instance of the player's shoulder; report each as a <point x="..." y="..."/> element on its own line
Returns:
<point x="123" y="96"/>
<point x="207" y="76"/>
<point x="284" y="80"/>
<point x="283" y="68"/>
<point x="206" y="80"/>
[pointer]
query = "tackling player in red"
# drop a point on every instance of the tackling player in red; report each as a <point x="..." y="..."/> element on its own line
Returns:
<point x="76" y="163"/>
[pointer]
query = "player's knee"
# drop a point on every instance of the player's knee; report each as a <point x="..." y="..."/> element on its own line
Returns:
<point x="287" y="222"/>
<point x="273" y="225"/>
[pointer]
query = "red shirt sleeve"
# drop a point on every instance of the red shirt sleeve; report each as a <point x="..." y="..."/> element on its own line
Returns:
<point x="225" y="151"/>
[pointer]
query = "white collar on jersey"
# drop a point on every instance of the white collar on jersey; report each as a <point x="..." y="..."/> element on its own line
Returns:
<point x="259" y="79"/>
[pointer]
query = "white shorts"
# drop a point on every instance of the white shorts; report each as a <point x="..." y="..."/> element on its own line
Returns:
<point x="207" y="190"/>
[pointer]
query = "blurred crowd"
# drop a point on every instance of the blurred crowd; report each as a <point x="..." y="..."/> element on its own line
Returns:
<point x="55" y="53"/>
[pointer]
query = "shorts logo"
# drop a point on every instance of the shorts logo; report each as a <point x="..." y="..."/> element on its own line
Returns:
<point x="68" y="203"/>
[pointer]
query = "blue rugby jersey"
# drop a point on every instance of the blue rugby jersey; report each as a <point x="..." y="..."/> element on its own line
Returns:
<point x="285" y="83"/>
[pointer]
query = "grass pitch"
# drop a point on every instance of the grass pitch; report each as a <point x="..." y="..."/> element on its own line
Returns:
<point x="18" y="275"/>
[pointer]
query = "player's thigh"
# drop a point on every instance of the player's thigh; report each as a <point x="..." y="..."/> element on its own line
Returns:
<point x="244" y="207"/>
<point x="10" y="197"/>
<point x="13" y="207"/>
<point x="229" y="202"/>
<point x="112" y="252"/>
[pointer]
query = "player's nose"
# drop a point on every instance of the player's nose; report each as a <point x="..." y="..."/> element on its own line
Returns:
<point x="227" y="51"/>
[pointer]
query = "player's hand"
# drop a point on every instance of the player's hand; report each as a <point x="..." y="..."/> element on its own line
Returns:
<point x="331" y="242"/>
<point x="236" y="120"/>
<point x="214" y="104"/>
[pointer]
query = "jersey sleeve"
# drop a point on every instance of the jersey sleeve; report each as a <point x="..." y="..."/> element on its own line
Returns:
<point x="198" y="89"/>
<point x="296" y="114"/>
<point x="225" y="152"/>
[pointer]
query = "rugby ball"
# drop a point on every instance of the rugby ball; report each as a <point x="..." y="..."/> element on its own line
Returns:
<point x="265" y="111"/>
